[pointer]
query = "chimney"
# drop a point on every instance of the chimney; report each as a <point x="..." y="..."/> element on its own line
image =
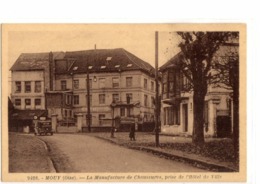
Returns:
<point x="51" y="70"/>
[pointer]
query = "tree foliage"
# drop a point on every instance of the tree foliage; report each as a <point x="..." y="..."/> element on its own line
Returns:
<point x="198" y="64"/>
<point x="224" y="65"/>
<point x="198" y="49"/>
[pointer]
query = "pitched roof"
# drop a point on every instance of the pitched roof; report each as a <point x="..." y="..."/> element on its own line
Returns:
<point x="222" y="51"/>
<point x="34" y="61"/>
<point x="102" y="60"/>
<point x="173" y="61"/>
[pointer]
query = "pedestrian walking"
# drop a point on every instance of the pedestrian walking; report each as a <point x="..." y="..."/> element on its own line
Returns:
<point x="132" y="132"/>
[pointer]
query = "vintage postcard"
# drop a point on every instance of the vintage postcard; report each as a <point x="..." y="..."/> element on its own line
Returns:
<point x="124" y="102"/>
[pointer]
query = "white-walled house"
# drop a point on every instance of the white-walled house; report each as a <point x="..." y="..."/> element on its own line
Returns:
<point x="28" y="89"/>
<point x="177" y="104"/>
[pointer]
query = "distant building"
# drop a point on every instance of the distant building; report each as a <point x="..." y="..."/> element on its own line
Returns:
<point x="31" y="78"/>
<point x="57" y="82"/>
<point x="177" y="103"/>
<point x="114" y="75"/>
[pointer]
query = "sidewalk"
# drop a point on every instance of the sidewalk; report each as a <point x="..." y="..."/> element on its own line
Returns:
<point x="27" y="154"/>
<point x="176" y="148"/>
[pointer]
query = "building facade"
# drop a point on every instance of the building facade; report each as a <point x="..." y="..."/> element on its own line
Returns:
<point x="57" y="82"/>
<point x="30" y="81"/>
<point x="177" y="103"/>
<point x="114" y="75"/>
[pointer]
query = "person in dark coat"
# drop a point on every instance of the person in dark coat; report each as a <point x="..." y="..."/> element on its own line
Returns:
<point x="132" y="132"/>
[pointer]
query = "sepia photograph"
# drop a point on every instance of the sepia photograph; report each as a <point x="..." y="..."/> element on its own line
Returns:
<point x="124" y="102"/>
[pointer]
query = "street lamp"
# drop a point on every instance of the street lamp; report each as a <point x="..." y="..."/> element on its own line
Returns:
<point x="95" y="79"/>
<point x="113" y="105"/>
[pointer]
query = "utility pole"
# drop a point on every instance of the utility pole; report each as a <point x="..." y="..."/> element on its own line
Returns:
<point x="113" y="105"/>
<point x="88" y="101"/>
<point x="157" y="110"/>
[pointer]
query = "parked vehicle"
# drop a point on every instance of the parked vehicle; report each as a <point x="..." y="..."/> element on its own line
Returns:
<point x="43" y="127"/>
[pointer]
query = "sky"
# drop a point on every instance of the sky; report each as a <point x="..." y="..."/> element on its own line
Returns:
<point x="137" y="39"/>
<point x="140" y="43"/>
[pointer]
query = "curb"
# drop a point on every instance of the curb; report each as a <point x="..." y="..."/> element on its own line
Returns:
<point x="206" y="164"/>
<point x="195" y="162"/>
<point x="50" y="162"/>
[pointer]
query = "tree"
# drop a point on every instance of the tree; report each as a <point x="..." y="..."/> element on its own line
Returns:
<point x="226" y="74"/>
<point x="196" y="62"/>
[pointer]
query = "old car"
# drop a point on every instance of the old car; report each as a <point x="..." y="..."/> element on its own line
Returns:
<point x="43" y="127"/>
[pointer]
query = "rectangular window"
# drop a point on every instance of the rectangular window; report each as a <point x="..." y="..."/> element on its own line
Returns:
<point x="128" y="111"/>
<point x="68" y="99"/>
<point x="165" y="77"/>
<point x="172" y="115"/>
<point x="102" y="98"/>
<point x="76" y="84"/>
<point x="152" y="101"/>
<point x="165" y="88"/>
<point x="115" y="97"/>
<point x="17" y="102"/>
<point x="129" y="81"/>
<point x="18" y="87"/>
<point x="145" y="100"/>
<point x="177" y="120"/>
<point x="90" y="100"/>
<point x="76" y="99"/>
<point x="90" y="84"/>
<point x="27" y="103"/>
<point x="165" y="116"/>
<point x="172" y="81"/>
<point x="178" y="82"/>
<point x="165" y="85"/>
<point x="101" y="83"/>
<point x="152" y="86"/>
<point x="63" y="85"/>
<point x="66" y="113"/>
<point x="171" y="112"/>
<point x="130" y="96"/>
<point x="38" y="87"/>
<point x="101" y="117"/>
<point x="37" y="101"/>
<point x="27" y="86"/>
<point x="115" y="82"/>
<point x="145" y="83"/>
<point x="122" y="111"/>
<point x="171" y="86"/>
<point x="185" y="83"/>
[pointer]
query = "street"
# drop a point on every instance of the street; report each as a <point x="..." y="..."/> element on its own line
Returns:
<point x="89" y="154"/>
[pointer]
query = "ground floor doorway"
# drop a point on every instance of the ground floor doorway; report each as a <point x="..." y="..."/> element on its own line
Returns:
<point x="185" y="117"/>
<point x="223" y="126"/>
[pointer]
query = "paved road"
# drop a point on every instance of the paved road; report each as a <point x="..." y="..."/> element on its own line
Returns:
<point x="90" y="154"/>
